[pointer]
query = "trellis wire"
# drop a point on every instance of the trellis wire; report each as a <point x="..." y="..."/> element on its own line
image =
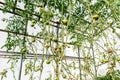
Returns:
<point x="16" y="55"/>
<point x="30" y="55"/>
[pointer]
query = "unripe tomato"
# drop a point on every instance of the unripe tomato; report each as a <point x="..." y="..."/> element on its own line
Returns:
<point x="48" y="62"/>
<point x="47" y="23"/>
<point x="33" y="40"/>
<point x="65" y="21"/>
<point x="32" y="24"/>
<point x="118" y="58"/>
<point x="61" y="70"/>
<point x="33" y="21"/>
<point x="3" y="72"/>
<point x="55" y="78"/>
<point x="95" y="17"/>
<point x="38" y="68"/>
<point x="57" y="59"/>
<point x="68" y="46"/>
<point x="64" y="76"/>
<point x="104" y="60"/>
<point x="23" y="50"/>
<point x="54" y="39"/>
<point x="87" y="57"/>
<point x="47" y="46"/>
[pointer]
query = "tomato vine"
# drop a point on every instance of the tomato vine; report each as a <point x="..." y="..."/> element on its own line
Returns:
<point x="87" y="27"/>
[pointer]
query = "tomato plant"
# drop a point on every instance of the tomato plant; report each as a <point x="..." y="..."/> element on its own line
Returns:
<point x="74" y="38"/>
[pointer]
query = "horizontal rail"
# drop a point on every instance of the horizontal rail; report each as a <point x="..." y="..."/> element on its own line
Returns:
<point x="27" y="35"/>
<point x="30" y="55"/>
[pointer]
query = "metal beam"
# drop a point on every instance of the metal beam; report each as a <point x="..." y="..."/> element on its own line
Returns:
<point x="32" y="55"/>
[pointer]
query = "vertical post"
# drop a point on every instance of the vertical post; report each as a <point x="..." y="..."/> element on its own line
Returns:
<point x="79" y="63"/>
<point x="21" y="60"/>
<point x="94" y="61"/>
<point x="78" y="48"/>
<point x="21" y="63"/>
<point x="57" y="64"/>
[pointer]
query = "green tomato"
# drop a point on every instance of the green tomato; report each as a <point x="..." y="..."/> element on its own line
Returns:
<point x="47" y="23"/>
<point x="47" y="46"/>
<point x="55" y="39"/>
<point x="33" y="40"/>
<point x="61" y="70"/>
<point x="64" y="76"/>
<point x="95" y="17"/>
<point x="3" y="72"/>
<point x="32" y="24"/>
<point x="55" y="78"/>
<point x="118" y="58"/>
<point x="33" y="21"/>
<point x="38" y="68"/>
<point x="87" y="57"/>
<point x="48" y="62"/>
<point x="65" y="22"/>
<point x="57" y="59"/>
<point x="68" y="46"/>
<point x="104" y="60"/>
<point x="23" y="50"/>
